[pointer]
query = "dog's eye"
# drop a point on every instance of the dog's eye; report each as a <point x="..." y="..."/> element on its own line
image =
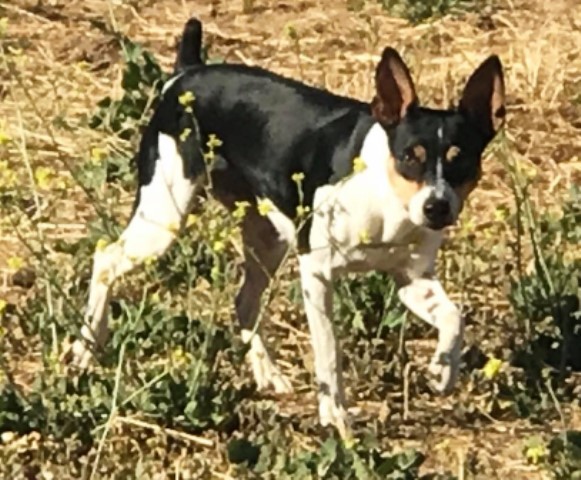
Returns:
<point x="452" y="153"/>
<point x="415" y="154"/>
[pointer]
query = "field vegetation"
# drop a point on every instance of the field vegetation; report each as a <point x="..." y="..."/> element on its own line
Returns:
<point x="171" y="396"/>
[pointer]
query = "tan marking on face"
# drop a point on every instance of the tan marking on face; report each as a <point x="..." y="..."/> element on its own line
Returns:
<point x="405" y="189"/>
<point x="452" y="153"/>
<point x="419" y="153"/>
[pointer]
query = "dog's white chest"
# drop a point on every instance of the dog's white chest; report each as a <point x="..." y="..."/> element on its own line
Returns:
<point x="361" y="221"/>
<point x="362" y="224"/>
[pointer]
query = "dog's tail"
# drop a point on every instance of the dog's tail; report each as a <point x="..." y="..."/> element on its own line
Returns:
<point x="190" y="47"/>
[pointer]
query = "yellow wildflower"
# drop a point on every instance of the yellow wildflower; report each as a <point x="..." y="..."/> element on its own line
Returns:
<point x="186" y="98"/>
<point x="298" y="177"/>
<point x="2" y="305"/>
<point x="240" y="210"/>
<point x="358" y="165"/>
<point x="43" y="176"/>
<point x="468" y="226"/>
<point x="8" y="177"/>
<point x="149" y="261"/>
<point x="536" y="453"/>
<point x="213" y="141"/>
<point x="492" y="367"/>
<point x="101" y="244"/>
<point x="191" y="220"/>
<point x="174" y="227"/>
<point x="97" y="155"/>
<point x="185" y="134"/>
<point x="500" y="214"/>
<point x="179" y="357"/>
<point x="15" y="263"/>
<point x="215" y="272"/>
<point x="218" y="246"/>
<point x="302" y="210"/>
<point x="4" y="137"/>
<point x="264" y="207"/>
<point x="364" y="237"/>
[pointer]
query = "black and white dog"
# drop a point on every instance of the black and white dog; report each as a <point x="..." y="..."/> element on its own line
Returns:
<point x="378" y="181"/>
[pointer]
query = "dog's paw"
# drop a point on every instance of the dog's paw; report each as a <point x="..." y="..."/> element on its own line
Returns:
<point x="445" y="367"/>
<point x="277" y="380"/>
<point x="445" y="363"/>
<point x="267" y="374"/>
<point x="332" y="413"/>
<point x="77" y="354"/>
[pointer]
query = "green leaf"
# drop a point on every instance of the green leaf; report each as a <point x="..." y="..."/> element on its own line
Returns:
<point x="241" y="450"/>
<point x="327" y="456"/>
<point x="131" y="77"/>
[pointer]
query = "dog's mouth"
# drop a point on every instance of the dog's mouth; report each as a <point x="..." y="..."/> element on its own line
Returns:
<point x="438" y="224"/>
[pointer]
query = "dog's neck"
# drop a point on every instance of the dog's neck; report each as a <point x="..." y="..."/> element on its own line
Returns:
<point x="376" y="156"/>
<point x="397" y="223"/>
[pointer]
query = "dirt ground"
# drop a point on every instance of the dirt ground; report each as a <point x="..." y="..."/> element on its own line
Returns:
<point x="67" y="62"/>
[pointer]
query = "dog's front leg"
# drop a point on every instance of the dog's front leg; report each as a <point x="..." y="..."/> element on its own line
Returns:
<point x="426" y="298"/>
<point x="317" y="286"/>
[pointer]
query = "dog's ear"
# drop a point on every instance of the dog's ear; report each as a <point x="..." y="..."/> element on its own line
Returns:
<point x="395" y="91"/>
<point x="483" y="99"/>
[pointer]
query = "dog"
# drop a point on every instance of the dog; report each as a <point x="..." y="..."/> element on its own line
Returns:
<point x="350" y="186"/>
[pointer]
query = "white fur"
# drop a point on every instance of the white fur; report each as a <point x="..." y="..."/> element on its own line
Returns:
<point x="426" y="298"/>
<point x="163" y="204"/>
<point x="361" y="222"/>
<point x="365" y="207"/>
<point x="265" y="372"/>
<point x="284" y="225"/>
<point x="416" y="205"/>
<point x="167" y="85"/>
<point x="359" y="225"/>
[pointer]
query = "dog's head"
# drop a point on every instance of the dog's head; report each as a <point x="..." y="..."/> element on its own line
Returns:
<point x="436" y="154"/>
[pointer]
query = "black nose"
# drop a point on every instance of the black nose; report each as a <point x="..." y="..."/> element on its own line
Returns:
<point x="437" y="210"/>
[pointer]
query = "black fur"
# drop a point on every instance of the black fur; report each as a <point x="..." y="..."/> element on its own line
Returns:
<point x="419" y="127"/>
<point x="190" y="46"/>
<point x="272" y="127"/>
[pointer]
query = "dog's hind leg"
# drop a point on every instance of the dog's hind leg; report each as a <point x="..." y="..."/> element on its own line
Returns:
<point x="264" y="252"/>
<point x="162" y="206"/>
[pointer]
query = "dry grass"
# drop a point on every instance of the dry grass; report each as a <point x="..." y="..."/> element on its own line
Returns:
<point x="65" y="61"/>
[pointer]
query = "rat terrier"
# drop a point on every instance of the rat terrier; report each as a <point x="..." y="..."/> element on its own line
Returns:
<point x="351" y="186"/>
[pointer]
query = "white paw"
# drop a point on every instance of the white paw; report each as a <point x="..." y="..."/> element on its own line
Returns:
<point x="77" y="354"/>
<point x="332" y="413"/>
<point x="267" y="374"/>
<point x="446" y="367"/>
<point x="445" y="363"/>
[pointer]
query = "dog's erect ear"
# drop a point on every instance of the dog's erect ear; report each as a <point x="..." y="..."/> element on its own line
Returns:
<point x="483" y="97"/>
<point x="395" y="91"/>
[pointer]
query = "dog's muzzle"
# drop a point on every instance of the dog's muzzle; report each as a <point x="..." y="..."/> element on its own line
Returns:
<point x="438" y="212"/>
